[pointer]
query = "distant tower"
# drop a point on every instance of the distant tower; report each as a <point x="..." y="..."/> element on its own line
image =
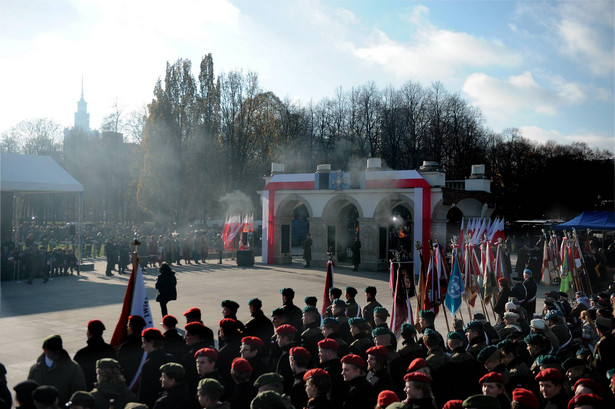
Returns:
<point x="82" y="118"/>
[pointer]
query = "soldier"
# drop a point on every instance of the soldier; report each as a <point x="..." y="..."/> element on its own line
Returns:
<point x="552" y="390"/>
<point x="352" y="308"/>
<point x="378" y="374"/>
<point x="54" y="367"/>
<point x="293" y="312"/>
<point x="360" y="392"/>
<point x="339" y="313"/>
<point x="492" y="384"/>
<point x="259" y="326"/>
<point x="250" y="350"/>
<point x="307" y="250"/>
<point x="476" y="337"/>
<point x="244" y="392"/>
<point x="299" y="361"/>
<point x="361" y="337"/>
<point x="418" y="391"/>
<point x="130" y="352"/>
<point x="329" y="361"/>
<point x="174" y="343"/>
<point x="149" y="385"/>
<point x="312" y="333"/>
<point x="176" y="393"/>
<point x="529" y="303"/>
<point x="285" y="337"/>
<point x="206" y="364"/>
<point x="368" y="310"/>
<point x="209" y="394"/>
<point x="96" y="349"/>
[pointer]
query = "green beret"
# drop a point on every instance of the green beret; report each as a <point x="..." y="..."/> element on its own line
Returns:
<point x="173" y="370"/>
<point x="210" y="384"/>
<point x="583" y="351"/>
<point x="427" y="314"/>
<point x="454" y="335"/>
<point x="481" y="402"/>
<point x="107" y="363"/>
<point x="265" y="399"/>
<point x="572" y="362"/>
<point x="534" y="339"/>
<point x="547" y="359"/>
<point x="53" y="343"/>
<point x="381" y="331"/>
<point x="486" y="353"/>
<point x="381" y="311"/>
<point x="407" y="330"/>
<point x="338" y="302"/>
<point x="507" y="346"/>
<point x="357" y="321"/>
<point x="352" y="291"/>
<point x="267" y="378"/>
<point x="81" y="398"/>
<point x="610" y="373"/>
<point x="473" y="325"/>
<point x="330" y="321"/>
<point x="309" y="308"/>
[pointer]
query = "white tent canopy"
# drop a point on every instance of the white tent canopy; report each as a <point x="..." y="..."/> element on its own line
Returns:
<point x="30" y="173"/>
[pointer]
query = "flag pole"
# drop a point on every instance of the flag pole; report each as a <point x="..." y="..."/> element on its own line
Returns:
<point x="420" y="292"/>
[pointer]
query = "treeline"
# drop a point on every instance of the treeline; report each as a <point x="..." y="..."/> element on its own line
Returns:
<point x="206" y="136"/>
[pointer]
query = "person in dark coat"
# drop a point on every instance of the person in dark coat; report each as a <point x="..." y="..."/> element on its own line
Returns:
<point x="285" y="338"/>
<point x="356" y="253"/>
<point x="371" y="304"/>
<point x="418" y="391"/>
<point x="501" y="298"/>
<point x="552" y="391"/>
<point x="231" y="335"/>
<point x="529" y="303"/>
<point x="96" y="349"/>
<point x="23" y="394"/>
<point x="130" y="352"/>
<point x="293" y="312"/>
<point x="329" y="361"/>
<point x="197" y="338"/>
<point x="360" y="393"/>
<point x="166" y="284"/>
<point x="124" y="255"/>
<point x="174" y="343"/>
<point x="111" y="384"/>
<point x="312" y="333"/>
<point x="149" y="385"/>
<point x="244" y="392"/>
<point x="176" y="393"/>
<point x="250" y="350"/>
<point x="6" y="400"/>
<point x="64" y="374"/>
<point x="299" y="362"/>
<point x="259" y="325"/>
<point x="317" y="387"/>
<point x="378" y="374"/>
<point x="112" y="256"/>
<point x="307" y="250"/>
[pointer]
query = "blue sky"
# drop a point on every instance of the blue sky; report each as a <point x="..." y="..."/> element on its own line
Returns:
<point x="546" y="68"/>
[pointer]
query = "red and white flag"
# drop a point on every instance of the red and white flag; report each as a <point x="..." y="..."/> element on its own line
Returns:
<point x="402" y="310"/>
<point x="328" y="285"/>
<point x="135" y="303"/>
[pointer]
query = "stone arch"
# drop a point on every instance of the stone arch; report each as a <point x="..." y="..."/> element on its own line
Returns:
<point x="288" y="204"/>
<point x="394" y="217"/>
<point x="341" y="216"/>
<point x="336" y="204"/>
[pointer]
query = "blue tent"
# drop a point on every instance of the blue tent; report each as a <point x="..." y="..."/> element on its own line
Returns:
<point x="590" y="220"/>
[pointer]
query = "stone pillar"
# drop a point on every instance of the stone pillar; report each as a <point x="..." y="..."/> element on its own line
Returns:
<point x="438" y="229"/>
<point x="369" y="234"/>
<point x="318" y="230"/>
<point x="278" y="256"/>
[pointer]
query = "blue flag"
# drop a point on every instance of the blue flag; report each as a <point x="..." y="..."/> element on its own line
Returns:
<point x="455" y="288"/>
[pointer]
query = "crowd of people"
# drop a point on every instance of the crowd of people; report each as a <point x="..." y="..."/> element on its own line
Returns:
<point x="560" y="356"/>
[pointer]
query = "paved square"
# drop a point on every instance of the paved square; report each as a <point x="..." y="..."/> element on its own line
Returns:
<point x="29" y="313"/>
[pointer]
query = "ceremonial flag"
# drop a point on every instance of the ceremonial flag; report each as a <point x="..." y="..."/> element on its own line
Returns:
<point x="565" y="269"/>
<point x="460" y="240"/>
<point x="420" y="294"/>
<point x="455" y="288"/>
<point x="328" y="285"/>
<point x="402" y="311"/>
<point x="135" y="303"/>
<point x="391" y="277"/>
<point x="546" y="262"/>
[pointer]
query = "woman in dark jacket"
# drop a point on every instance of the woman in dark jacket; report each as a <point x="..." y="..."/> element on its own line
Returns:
<point x="166" y="286"/>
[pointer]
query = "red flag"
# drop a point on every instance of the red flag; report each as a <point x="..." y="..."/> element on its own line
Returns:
<point x="135" y="303"/>
<point x="328" y="285"/>
<point x="391" y="277"/>
<point x="402" y="311"/>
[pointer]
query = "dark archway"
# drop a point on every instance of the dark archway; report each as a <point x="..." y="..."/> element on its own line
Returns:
<point x="401" y="232"/>
<point x="453" y="221"/>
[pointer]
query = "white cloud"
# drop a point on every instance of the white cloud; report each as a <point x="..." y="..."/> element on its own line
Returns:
<point x="502" y="98"/>
<point x="432" y="53"/>
<point x="593" y="140"/>
<point x="584" y="44"/>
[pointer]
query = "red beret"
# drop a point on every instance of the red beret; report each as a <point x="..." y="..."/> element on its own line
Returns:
<point x="169" y="321"/>
<point x="96" y="326"/>
<point x="586" y="399"/>
<point x="353" y="359"/>
<point x="378" y="350"/>
<point x="453" y="404"/>
<point x="591" y="384"/>
<point x="208" y="352"/>
<point x="502" y="281"/>
<point x="196" y="328"/>
<point x="285" y="329"/>
<point x="314" y="372"/>
<point x="492" y="377"/>
<point x="193" y="312"/>
<point x="254" y="341"/>
<point x="549" y="374"/>
<point x="385" y="398"/>
<point x="417" y="364"/>
<point x="152" y="333"/>
<point x="329" y="343"/>
<point x="241" y="365"/>
<point x="300" y="352"/>
<point x="525" y="397"/>
<point x="229" y="324"/>
<point x="417" y="377"/>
